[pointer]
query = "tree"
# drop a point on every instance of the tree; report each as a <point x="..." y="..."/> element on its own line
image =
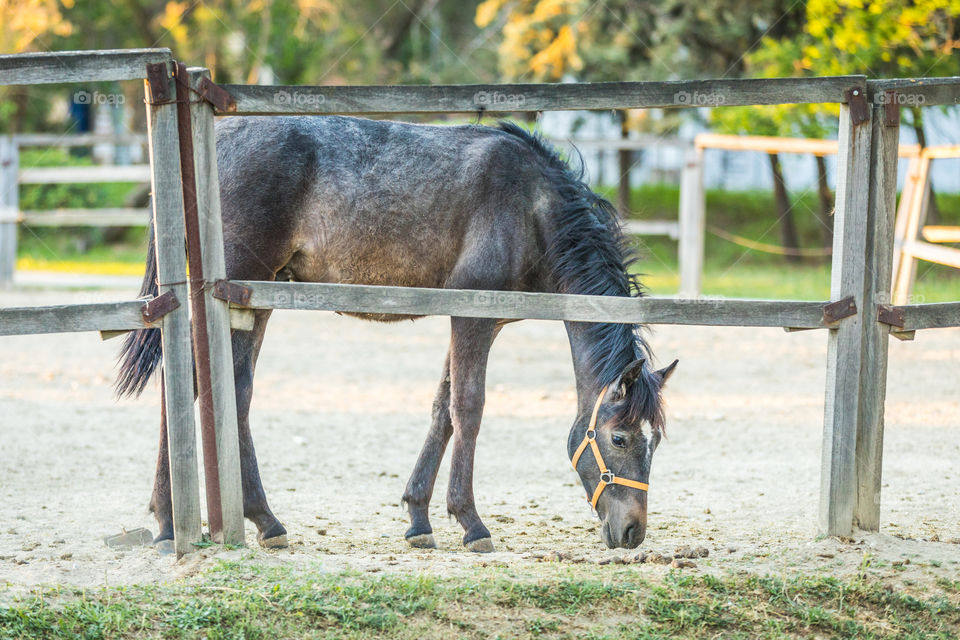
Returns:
<point x="546" y="40"/>
<point x="881" y="38"/>
<point x="26" y="25"/>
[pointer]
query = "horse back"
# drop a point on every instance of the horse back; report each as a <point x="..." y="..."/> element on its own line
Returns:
<point x="347" y="200"/>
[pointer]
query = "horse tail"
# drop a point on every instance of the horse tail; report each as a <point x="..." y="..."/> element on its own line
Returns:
<point x="141" y="352"/>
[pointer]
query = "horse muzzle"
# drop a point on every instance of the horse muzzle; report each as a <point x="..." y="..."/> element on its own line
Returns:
<point x="625" y="530"/>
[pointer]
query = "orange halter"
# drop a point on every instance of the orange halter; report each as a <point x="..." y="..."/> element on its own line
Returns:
<point x="606" y="476"/>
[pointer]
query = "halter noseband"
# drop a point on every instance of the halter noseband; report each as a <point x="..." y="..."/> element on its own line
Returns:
<point x="606" y="476"/>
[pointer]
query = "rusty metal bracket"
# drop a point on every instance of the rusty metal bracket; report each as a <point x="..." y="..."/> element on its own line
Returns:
<point x="893" y="316"/>
<point x="857" y="101"/>
<point x="836" y="311"/>
<point x="232" y="292"/>
<point x="216" y="95"/>
<point x="891" y="109"/>
<point x="158" y="80"/>
<point x="160" y="306"/>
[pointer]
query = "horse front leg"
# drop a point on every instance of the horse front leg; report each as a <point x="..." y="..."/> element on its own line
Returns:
<point x="470" y="346"/>
<point x="246" y="348"/>
<point x="420" y="486"/>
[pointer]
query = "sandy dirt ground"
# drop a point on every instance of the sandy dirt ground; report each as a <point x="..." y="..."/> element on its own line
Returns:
<point x="340" y="410"/>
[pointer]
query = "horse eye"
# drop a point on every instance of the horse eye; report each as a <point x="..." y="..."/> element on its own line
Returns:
<point x="618" y="441"/>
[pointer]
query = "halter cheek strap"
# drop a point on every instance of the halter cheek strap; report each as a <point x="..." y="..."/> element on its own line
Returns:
<point x="606" y="476"/>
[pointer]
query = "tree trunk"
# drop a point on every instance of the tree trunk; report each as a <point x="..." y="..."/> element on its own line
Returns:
<point x="21" y="103"/>
<point x="625" y="162"/>
<point x="788" y="229"/>
<point x="826" y="202"/>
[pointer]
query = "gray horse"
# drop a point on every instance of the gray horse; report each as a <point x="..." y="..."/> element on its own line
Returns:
<point x="346" y="200"/>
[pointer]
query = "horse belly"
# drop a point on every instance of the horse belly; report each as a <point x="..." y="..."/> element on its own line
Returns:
<point x="379" y="261"/>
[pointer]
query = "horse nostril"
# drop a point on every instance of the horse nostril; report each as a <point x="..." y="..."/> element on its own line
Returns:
<point x="633" y="536"/>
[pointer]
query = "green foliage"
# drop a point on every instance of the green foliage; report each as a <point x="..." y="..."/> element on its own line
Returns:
<point x="878" y="38"/>
<point x="63" y="243"/>
<point x="54" y="196"/>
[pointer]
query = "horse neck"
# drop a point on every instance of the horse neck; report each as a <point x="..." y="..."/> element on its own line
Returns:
<point x="588" y="386"/>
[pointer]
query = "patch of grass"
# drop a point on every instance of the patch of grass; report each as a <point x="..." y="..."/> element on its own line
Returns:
<point x="243" y="600"/>
<point x="949" y="585"/>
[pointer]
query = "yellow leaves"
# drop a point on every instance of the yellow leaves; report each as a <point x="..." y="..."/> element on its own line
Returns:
<point x="539" y="36"/>
<point x="205" y="14"/>
<point x="23" y="21"/>
<point x="547" y="9"/>
<point x="878" y="37"/>
<point x="172" y="21"/>
<point x="487" y="12"/>
<point x="557" y="56"/>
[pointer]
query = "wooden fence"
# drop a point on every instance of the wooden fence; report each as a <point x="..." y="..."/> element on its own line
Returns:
<point x="857" y="317"/>
<point x="911" y="221"/>
<point x="12" y="175"/>
<point x="910" y="215"/>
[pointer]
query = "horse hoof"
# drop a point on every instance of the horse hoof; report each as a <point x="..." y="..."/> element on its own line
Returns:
<point x="164" y="547"/>
<point x="481" y="545"/>
<point x="422" y="541"/>
<point x="276" y="542"/>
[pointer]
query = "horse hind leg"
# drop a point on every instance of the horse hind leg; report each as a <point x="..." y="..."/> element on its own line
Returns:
<point x="420" y="486"/>
<point x="246" y="348"/>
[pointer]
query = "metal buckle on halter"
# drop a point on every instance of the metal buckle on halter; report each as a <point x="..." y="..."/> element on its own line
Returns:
<point x="587" y="435"/>
<point x="607" y="477"/>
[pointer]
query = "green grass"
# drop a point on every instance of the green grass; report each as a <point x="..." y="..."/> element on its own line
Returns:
<point x="81" y="249"/>
<point x="243" y="600"/>
<point x="730" y="270"/>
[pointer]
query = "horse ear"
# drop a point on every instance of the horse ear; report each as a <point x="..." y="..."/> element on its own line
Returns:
<point x="665" y="373"/>
<point x="629" y="375"/>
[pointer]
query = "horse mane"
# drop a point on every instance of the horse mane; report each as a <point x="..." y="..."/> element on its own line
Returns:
<point x="588" y="254"/>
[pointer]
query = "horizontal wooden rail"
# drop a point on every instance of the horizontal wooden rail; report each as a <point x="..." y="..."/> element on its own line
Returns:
<point x="641" y="143"/>
<point x="541" y="306"/>
<point x="669" y="228"/>
<point x="506" y="98"/>
<point x="773" y="144"/>
<point x="78" y="66"/>
<point x="106" y="217"/>
<point x="76" y="139"/>
<point x="98" y="316"/>
<point x="940" y="233"/>
<point x="943" y="152"/>
<point x="937" y="315"/>
<point x="96" y="173"/>
<point x="916" y="92"/>
<point x="933" y="253"/>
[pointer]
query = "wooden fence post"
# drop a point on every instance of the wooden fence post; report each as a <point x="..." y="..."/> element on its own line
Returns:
<point x="218" y="315"/>
<point x="692" y="206"/>
<point x="876" y="334"/>
<point x="171" y="274"/>
<point x="9" y="209"/>
<point x="845" y="349"/>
